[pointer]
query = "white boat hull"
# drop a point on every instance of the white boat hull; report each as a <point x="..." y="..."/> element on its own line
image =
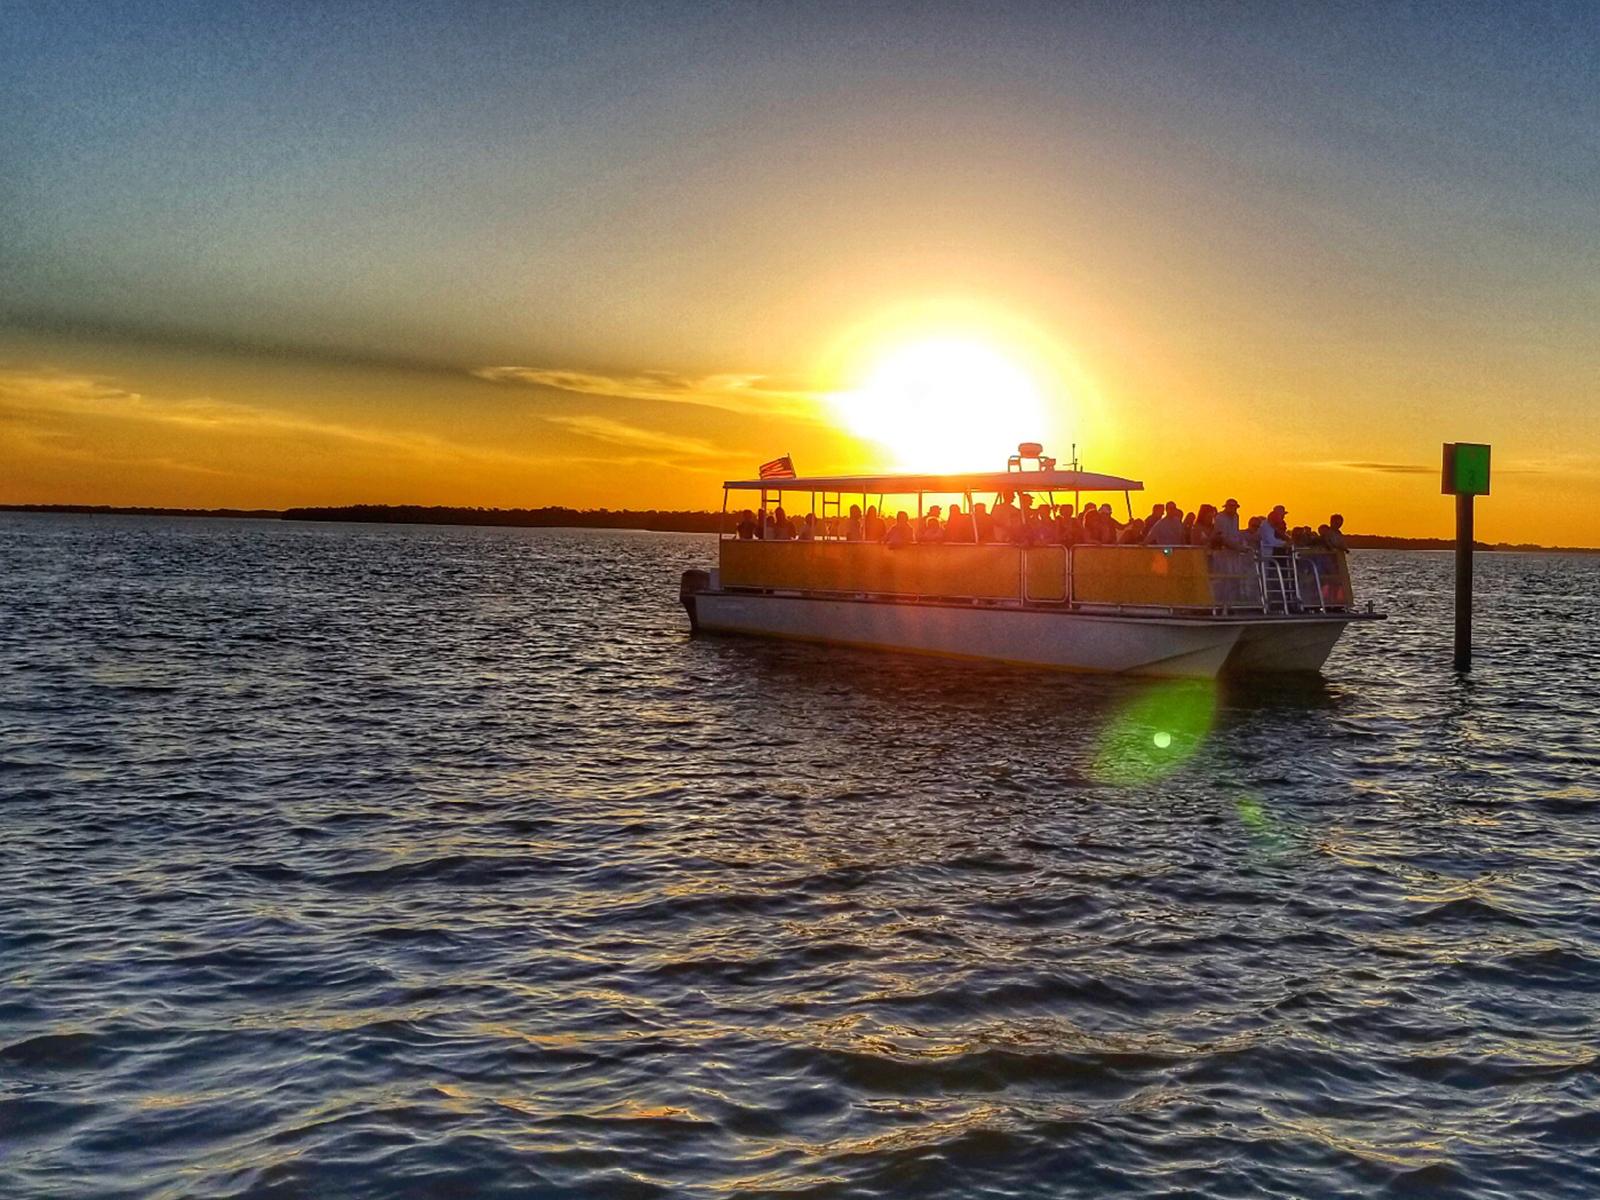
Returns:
<point x="1073" y="640"/>
<point x="1285" y="644"/>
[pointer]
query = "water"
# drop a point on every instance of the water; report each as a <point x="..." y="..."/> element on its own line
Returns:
<point x="360" y="861"/>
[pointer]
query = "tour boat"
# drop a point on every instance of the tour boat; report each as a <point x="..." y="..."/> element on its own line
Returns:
<point x="1187" y="611"/>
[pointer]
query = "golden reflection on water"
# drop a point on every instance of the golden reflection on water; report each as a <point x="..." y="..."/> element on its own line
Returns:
<point x="1404" y="1148"/>
<point x="980" y="1116"/>
<point x="163" y="1101"/>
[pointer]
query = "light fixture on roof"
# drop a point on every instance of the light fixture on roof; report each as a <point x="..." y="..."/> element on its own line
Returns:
<point x="1030" y="452"/>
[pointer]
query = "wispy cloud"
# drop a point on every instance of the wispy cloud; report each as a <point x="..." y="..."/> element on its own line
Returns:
<point x="1572" y="464"/>
<point x="751" y="394"/>
<point x="206" y="341"/>
<point x="620" y="433"/>
<point x="1381" y="468"/>
<point x="755" y="394"/>
<point x="37" y="402"/>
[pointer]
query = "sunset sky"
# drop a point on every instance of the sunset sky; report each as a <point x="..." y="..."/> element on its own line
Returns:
<point x="610" y="255"/>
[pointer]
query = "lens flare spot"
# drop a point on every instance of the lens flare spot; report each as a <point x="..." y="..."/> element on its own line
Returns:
<point x="1268" y="839"/>
<point x="1156" y="731"/>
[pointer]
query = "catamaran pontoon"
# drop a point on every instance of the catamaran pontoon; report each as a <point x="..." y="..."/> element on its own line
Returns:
<point x="1149" y="610"/>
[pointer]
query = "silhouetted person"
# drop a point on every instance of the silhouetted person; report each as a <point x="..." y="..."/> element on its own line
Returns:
<point x="1228" y="531"/>
<point x="1335" y="535"/>
<point x="1113" y="527"/>
<point x="1274" y="532"/>
<point x="853" y="529"/>
<point x="983" y="522"/>
<point x="900" y="533"/>
<point x="808" y="529"/>
<point x="1005" y="516"/>
<point x="747" y="527"/>
<point x="1018" y="527"/>
<point x="958" y="528"/>
<point x="874" y="526"/>
<point x="1068" y="531"/>
<point x="1168" y="530"/>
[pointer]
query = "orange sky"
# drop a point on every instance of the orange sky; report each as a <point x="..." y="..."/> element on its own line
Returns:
<point x="1283" y="259"/>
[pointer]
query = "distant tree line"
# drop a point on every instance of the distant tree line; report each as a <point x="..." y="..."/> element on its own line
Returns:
<point x="656" y="520"/>
<point x="653" y="519"/>
<point x="112" y="510"/>
<point x="1376" y="541"/>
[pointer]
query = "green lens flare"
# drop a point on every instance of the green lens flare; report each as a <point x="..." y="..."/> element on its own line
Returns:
<point x="1269" y="840"/>
<point x="1252" y="815"/>
<point x="1156" y="731"/>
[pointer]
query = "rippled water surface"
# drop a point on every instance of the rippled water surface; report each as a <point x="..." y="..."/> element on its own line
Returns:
<point x="432" y="862"/>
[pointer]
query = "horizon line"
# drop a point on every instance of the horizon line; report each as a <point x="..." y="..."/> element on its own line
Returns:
<point x="133" y="510"/>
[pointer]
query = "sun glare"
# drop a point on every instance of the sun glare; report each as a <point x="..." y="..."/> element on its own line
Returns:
<point x="943" y="404"/>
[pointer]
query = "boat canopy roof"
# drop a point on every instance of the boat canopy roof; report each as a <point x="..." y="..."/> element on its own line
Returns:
<point x="972" y="481"/>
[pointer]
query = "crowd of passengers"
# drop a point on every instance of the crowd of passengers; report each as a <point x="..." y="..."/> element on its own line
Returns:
<point x="1021" y="520"/>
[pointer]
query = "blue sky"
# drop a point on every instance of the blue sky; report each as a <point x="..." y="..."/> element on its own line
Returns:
<point x="1233" y="206"/>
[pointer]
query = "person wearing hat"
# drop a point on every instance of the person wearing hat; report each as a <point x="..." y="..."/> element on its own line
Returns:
<point x="1109" y="525"/>
<point x="1275" y="532"/>
<point x="1228" y="526"/>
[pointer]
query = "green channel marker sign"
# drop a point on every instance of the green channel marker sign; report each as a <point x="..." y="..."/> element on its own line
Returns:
<point x="1466" y="476"/>
<point x="1466" y="469"/>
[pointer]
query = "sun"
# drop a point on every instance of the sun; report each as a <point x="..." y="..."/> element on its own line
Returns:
<point x="943" y="404"/>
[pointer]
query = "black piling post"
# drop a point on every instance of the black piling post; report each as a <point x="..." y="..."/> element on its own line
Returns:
<point x="1464" y="581"/>
<point x="1466" y="475"/>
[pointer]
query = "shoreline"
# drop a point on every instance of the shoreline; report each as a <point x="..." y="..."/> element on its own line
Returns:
<point x="644" y="520"/>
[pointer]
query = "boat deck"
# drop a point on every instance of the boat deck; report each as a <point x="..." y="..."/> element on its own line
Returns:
<point x="1123" y="580"/>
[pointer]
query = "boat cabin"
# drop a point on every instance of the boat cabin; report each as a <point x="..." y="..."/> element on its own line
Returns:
<point x="1129" y="580"/>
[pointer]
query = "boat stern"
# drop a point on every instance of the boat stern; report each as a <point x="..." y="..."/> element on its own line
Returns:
<point x="1294" y="645"/>
<point x="690" y="587"/>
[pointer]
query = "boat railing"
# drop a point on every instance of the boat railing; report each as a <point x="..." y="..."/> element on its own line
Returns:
<point x="1180" y="580"/>
<point x="1322" y="579"/>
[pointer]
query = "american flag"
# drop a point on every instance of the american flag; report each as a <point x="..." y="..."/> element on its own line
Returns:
<point x="778" y="468"/>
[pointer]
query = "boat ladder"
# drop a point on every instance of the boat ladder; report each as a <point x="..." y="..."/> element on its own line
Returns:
<point x="1278" y="590"/>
